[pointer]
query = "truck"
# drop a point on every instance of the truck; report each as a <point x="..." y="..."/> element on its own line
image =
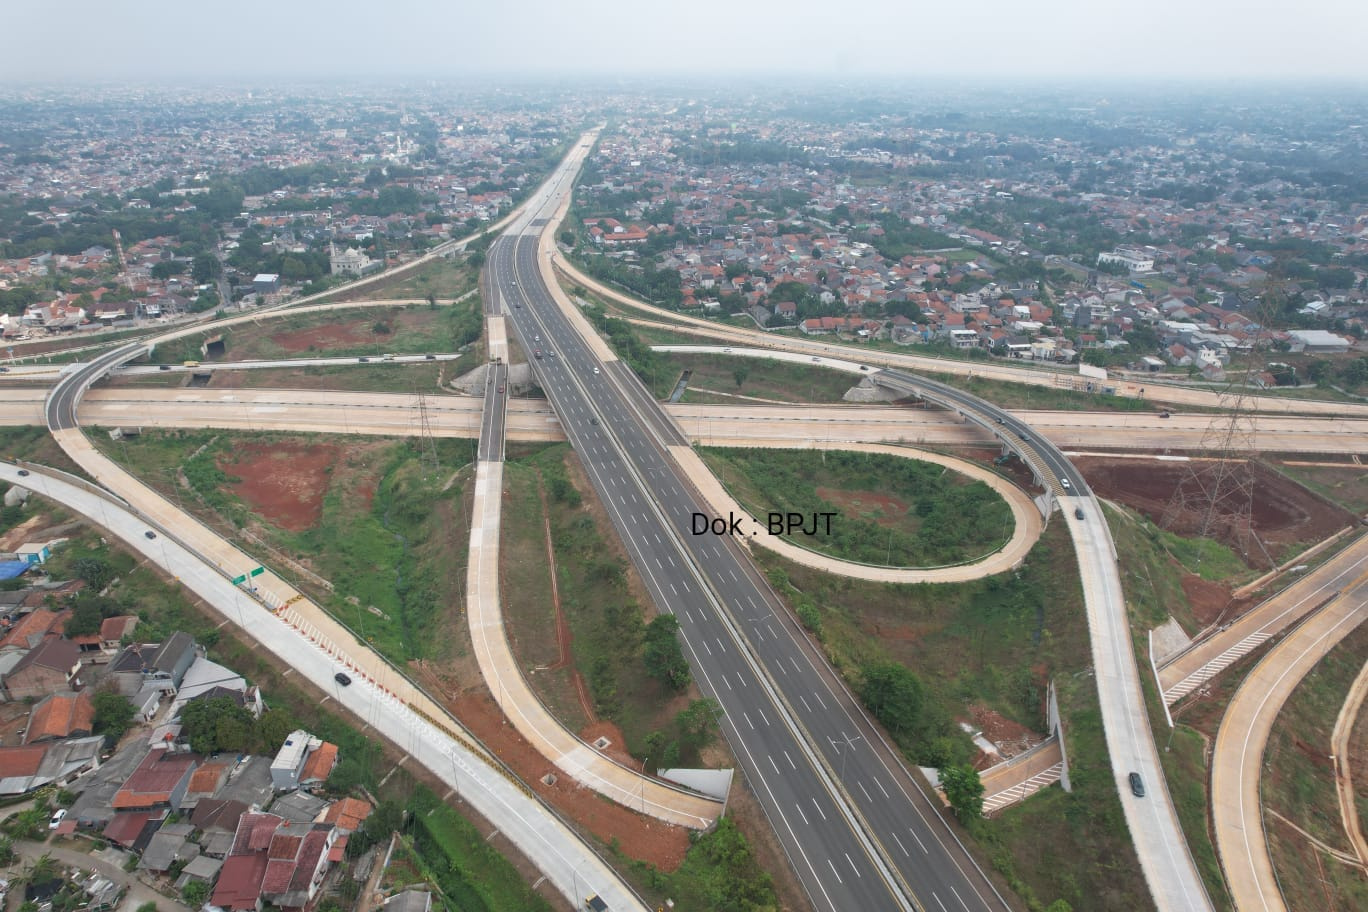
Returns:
<point x="594" y="904"/>
<point x="191" y="364"/>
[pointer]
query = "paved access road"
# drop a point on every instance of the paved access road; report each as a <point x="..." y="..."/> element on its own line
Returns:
<point x="1237" y="761"/>
<point x="330" y="411"/>
<point x="1185" y="672"/>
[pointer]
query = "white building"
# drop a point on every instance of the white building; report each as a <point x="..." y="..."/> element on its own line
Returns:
<point x="350" y="261"/>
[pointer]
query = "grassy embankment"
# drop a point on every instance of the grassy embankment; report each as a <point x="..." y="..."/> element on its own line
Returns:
<point x="891" y="511"/>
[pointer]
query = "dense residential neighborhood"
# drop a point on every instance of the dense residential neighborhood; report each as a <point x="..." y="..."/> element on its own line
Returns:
<point x="128" y="736"/>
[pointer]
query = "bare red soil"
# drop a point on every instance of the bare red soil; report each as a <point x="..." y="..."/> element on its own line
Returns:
<point x="1282" y="512"/>
<point x="282" y="482"/>
<point x="639" y="836"/>
<point x="892" y="511"/>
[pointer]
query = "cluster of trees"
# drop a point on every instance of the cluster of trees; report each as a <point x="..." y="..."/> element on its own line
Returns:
<point x="660" y="286"/>
<point x="219" y="724"/>
<point x="917" y="722"/>
<point x="662" y="654"/>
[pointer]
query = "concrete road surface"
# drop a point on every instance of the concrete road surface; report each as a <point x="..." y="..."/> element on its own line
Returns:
<point x="1237" y="761"/>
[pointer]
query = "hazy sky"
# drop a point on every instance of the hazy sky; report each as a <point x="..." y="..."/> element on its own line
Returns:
<point x="986" y="40"/>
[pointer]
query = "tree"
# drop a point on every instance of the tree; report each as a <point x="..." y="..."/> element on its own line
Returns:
<point x="964" y="790"/>
<point x="113" y="715"/>
<point x="195" y="893"/>
<point x="893" y="694"/>
<point x="148" y="907"/>
<point x="740" y="374"/>
<point x="216" y="724"/>
<point x="166" y="269"/>
<point x="698" y="721"/>
<point x="663" y="656"/>
<point x="94" y="570"/>
<point x="205" y="268"/>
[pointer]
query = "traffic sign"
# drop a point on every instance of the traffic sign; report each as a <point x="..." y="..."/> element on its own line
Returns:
<point x="239" y="579"/>
<point x="258" y="571"/>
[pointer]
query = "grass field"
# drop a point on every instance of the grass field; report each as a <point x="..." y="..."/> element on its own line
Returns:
<point x="763" y="378"/>
<point x="889" y="511"/>
<point x="443" y="278"/>
<point x="1347" y="486"/>
<point x="1298" y="784"/>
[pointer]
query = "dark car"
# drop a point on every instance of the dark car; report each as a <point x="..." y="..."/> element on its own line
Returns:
<point x="430" y="357"/>
<point x="538" y="353"/>
<point x="363" y="360"/>
<point x="342" y="678"/>
<point x="163" y="367"/>
<point x="150" y="534"/>
<point x="1137" y="786"/>
<point x="1163" y="414"/>
<point x="593" y="421"/>
<point x="23" y="472"/>
<point x="864" y="367"/>
<point x="1078" y="512"/>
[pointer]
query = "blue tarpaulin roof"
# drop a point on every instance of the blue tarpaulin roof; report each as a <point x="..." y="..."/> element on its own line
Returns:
<point x="11" y="569"/>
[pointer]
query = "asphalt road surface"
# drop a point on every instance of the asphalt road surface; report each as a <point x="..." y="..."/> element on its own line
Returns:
<point x="857" y="829"/>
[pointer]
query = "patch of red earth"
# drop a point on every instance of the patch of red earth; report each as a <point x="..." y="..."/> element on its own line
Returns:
<point x="639" y="837"/>
<point x="1282" y="511"/>
<point x="283" y="482"/>
<point x="331" y="335"/>
<point x="860" y="503"/>
<point x="1011" y="738"/>
<point x="1211" y="601"/>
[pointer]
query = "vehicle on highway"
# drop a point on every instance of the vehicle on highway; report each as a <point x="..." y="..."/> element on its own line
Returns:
<point x="501" y="387"/>
<point x="1064" y="482"/>
<point x="342" y="678"/>
<point x="387" y="357"/>
<point x="815" y="358"/>
<point x="1078" y="512"/>
<point x="519" y="306"/>
<point x="430" y="357"/>
<point x="363" y="360"/>
<point x="1163" y="414"/>
<point x="150" y="534"/>
<point x="864" y="367"/>
<point x="23" y="472"/>
<point x="1137" y="785"/>
<point x="192" y="364"/>
<point x="593" y="420"/>
<point x="594" y="904"/>
<point x="163" y="367"/>
<point x="596" y="370"/>
<point x="537" y="353"/>
<point x="57" y="819"/>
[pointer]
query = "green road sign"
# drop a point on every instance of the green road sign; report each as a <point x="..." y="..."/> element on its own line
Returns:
<point x="239" y="579"/>
<point x="258" y="571"/>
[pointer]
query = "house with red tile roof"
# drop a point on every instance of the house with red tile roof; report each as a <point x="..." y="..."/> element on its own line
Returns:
<point x="273" y="861"/>
<point x="319" y="765"/>
<point x="114" y="629"/>
<point x="347" y="814"/>
<point x="61" y="715"/>
<point x="162" y="778"/>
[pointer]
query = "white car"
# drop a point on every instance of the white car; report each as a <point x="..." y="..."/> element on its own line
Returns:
<point x="57" y="819"/>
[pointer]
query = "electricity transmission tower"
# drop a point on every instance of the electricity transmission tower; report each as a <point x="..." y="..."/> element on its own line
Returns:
<point x="427" y="444"/>
<point x="1215" y="497"/>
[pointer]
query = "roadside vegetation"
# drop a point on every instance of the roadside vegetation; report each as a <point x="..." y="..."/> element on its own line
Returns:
<point x="633" y="669"/>
<point x="889" y="510"/>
